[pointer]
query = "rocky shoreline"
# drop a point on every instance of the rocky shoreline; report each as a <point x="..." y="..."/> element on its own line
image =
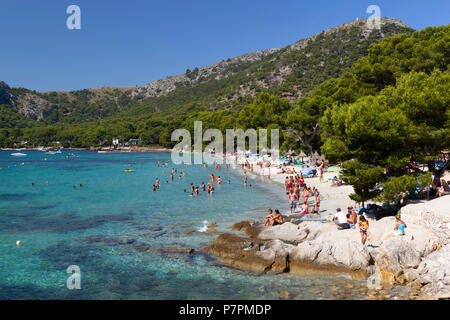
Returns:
<point x="420" y="259"/>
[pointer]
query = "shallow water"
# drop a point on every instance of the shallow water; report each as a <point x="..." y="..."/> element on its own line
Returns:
<point x="111" y="226"/>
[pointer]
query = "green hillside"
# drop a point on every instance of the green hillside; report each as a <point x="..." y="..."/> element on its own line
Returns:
<point x="93" y="116"/>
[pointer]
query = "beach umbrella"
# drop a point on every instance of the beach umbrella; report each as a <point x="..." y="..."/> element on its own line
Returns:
<point x="302" y="155"/>
<point x="291" y="153"/>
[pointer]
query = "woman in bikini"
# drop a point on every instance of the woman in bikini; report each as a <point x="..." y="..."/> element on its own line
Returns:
<point x="363" y="226"/>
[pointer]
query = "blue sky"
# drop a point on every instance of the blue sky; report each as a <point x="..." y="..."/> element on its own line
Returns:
<point x="133" y="42"/>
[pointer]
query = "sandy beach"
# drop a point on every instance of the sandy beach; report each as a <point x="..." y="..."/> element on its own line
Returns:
<point x="332" y="197"/>
<point x="418" y="260"/>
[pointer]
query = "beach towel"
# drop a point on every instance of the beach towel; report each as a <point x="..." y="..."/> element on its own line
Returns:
<point x="310" y="219"/>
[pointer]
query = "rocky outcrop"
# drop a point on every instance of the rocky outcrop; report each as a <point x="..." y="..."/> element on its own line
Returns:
<point x="216" y="71"/>
<point x="398" y="254"/>
<point x="32" y="106"/>
<point x="4" y="93"/>
<point x="421" y="258"/>
<point x="431" y="278"/>
<point x="350" y="255"/>
<point x="241" y="253"/>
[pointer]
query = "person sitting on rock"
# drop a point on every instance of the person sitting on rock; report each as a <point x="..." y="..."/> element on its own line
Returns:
<point x="399" y="229"/>
<point x="273" y="219"/>
<point x="277" y="218"/>
<point x="352" y="217"/>
<point x="444" y="189"/>
<point x="341" y="220"/>
<point x="269" y="218"/>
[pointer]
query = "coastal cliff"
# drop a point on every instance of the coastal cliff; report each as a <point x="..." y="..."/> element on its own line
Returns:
<point x="419" y="259"/>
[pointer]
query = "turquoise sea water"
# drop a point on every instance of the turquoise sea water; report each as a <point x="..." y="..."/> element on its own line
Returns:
<point x="114" y="225"/>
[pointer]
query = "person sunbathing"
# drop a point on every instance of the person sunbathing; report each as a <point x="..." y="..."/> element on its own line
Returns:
<point x="399" y="229"/>
<point x="336" y="182"/>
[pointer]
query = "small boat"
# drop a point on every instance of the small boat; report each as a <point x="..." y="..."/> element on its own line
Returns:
<point x="53" y="151"/>
<point x="19" y="154"/>
<point x="109" y="151"/>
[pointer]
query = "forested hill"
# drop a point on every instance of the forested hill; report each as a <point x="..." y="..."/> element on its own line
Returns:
<point x="290" y="72"/>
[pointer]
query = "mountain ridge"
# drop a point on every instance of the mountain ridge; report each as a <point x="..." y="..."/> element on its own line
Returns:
<point x="286" y="71"/>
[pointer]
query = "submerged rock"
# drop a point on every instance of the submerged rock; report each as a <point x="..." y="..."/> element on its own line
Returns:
<point x="250" y="228"/>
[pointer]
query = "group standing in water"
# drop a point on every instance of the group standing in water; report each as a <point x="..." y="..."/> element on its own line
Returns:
<point x="296" y="189"/>
<point x="194" y="190"/>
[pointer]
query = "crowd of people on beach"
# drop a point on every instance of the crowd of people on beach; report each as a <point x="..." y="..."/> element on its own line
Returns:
<point x="298" y="194"/>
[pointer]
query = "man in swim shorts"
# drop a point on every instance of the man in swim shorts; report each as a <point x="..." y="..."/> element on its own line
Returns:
<point x="293" y="201"/>
<point x="340" y="219"/>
